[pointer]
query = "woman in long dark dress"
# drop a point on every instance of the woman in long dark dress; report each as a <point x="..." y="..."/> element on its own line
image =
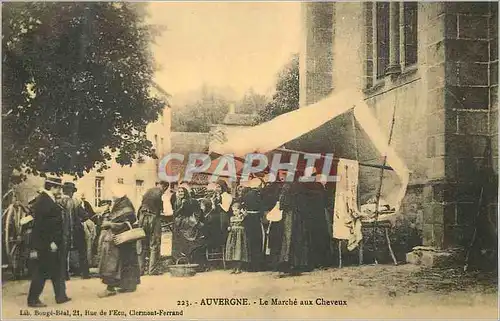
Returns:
<point x="314" y="205"/>
<point x="118" y="265"/>
<point x="252" y="198"/>
<point x="187" y="236"/>
<point x="294" y="253"/>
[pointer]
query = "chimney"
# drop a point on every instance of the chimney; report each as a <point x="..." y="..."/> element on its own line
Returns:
<point x="232" y="109"/>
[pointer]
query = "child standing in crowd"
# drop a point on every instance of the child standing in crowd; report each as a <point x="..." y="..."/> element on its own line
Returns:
<point x="237" y="244"/>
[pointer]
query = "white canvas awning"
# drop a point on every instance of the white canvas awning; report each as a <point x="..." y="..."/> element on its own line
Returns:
<point x="284" y="128"/>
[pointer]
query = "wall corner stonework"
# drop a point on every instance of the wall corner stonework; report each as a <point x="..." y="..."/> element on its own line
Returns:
<point x="458" y="129"/>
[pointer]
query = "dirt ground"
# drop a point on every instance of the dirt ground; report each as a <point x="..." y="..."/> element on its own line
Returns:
<point x="381" y="291"/>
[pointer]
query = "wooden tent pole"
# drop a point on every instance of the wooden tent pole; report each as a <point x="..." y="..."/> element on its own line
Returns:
<point x="361" y="242"/>
<point x="377" y="204"/>
<point x="328" y="157"/>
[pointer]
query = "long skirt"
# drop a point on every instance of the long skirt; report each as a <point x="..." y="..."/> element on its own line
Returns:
<point x="118" y="266"/>
<point x="275" y="240"/>
<point x="320" y="252"/>
<point x="237" y="246"/>
<point x="254" y="230"/>
<point x="191" y="250"/>
<point x="294" y="250"/>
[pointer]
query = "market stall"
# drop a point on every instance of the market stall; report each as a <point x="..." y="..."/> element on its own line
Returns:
<point x="271" y="136"/>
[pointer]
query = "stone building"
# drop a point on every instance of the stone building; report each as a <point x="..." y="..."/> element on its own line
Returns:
<point x="433" y="68"/>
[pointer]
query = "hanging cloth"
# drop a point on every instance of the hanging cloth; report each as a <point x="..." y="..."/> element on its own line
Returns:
<point x="275" y="215"/>
<point x="346" y="221"/>
<point x="226" y="201"/>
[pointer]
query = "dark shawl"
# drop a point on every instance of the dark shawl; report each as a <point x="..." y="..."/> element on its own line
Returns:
<point x="119" y="265"/>
<point x="187" y="234"/>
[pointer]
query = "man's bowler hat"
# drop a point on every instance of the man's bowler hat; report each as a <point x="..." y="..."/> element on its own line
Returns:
<point x="54" y="180"/>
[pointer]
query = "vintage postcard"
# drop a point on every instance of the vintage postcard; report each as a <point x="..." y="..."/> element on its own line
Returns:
<point x="216" y="160"/>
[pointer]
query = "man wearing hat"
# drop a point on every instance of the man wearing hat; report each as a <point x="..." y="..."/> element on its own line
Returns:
<point x="149" y="219"/>
<point x="46" y="244"/>
<point x="74" y="232"/>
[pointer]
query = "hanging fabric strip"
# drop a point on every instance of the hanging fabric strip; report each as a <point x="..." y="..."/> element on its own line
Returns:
<point x="346" y="221"/>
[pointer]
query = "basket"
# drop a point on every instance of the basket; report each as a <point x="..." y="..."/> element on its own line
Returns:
<point x="182" y="270"/>
<point x="134" y="234"/>
<point x="25" y="220"/>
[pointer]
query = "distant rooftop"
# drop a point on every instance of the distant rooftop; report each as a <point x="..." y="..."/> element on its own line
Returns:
<point x="189" y="142"/>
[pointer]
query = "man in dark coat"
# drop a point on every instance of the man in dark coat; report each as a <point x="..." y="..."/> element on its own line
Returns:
<point x="149" y="219"/>
<point x="46" y="244"/>
<point x="74" y="234"/>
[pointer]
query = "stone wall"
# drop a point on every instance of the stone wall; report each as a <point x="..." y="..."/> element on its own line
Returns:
<point x="459" y="73"/>
<point x="316" y="65"/>
<point x="342" y="136"/>
<point x="493" y="37"/>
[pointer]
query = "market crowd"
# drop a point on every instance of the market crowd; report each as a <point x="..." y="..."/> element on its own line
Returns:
<point x="261" y="226"/>
<point x="258" y="226"/>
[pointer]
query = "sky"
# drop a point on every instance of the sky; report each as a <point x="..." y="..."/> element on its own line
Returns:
<point x="224" y="44"/>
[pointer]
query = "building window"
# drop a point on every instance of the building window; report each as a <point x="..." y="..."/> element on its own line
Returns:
<point x="157" y="146"/>
<point x="98" y="188"/>
<point x="391" y="39"/>
<point x="120" y="180"/>
<point x="382" y="37"/>
<point x="139" y="187"/>
<point x="410" y="23"/>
